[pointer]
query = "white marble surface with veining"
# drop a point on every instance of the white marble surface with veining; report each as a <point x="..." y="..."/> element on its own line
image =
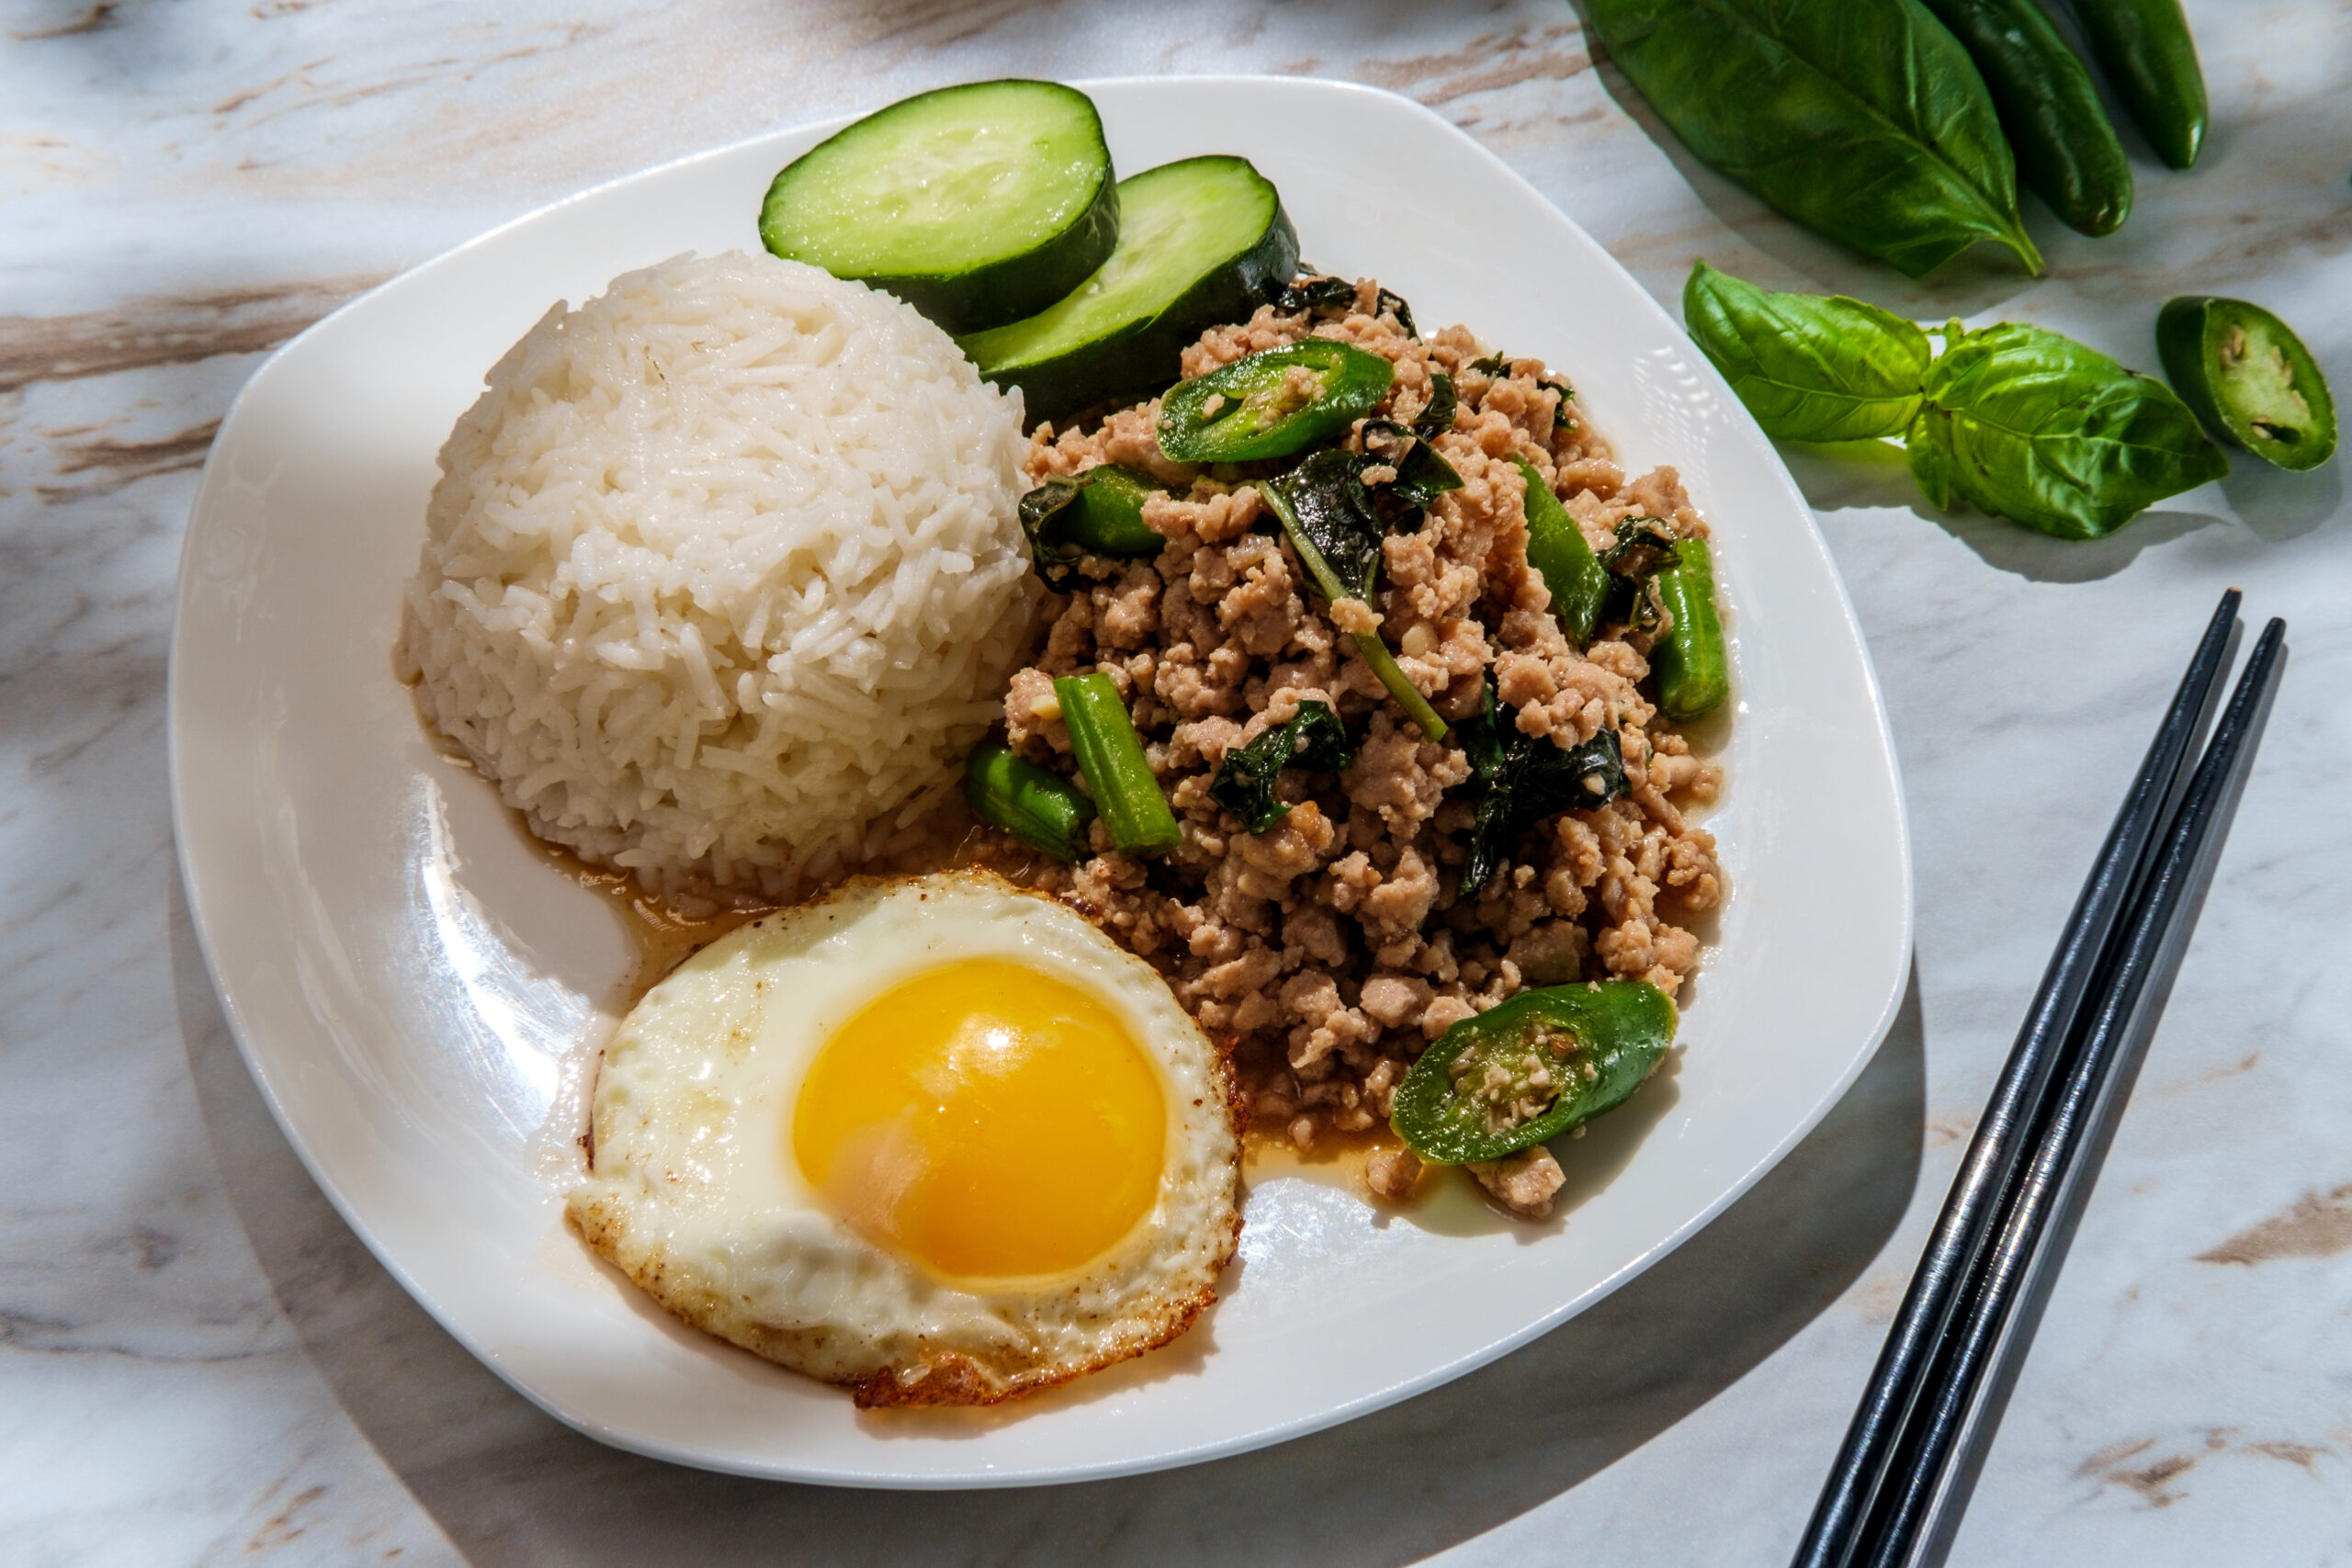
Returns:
<point x="199" y="1364"/>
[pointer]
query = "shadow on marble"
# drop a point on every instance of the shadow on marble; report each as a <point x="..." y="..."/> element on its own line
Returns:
<point x="509" y="1485"/>
<point x="1835" y="477"/>
<point x="2278" y="505"/>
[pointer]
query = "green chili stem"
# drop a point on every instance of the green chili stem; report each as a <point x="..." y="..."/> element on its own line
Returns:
<point x="1110" y="755"/>
<point x="1376" y="652"/>
<point x="1041" y="810"/>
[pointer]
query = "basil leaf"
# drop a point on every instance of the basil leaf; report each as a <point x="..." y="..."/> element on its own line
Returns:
<point x="1865" y="119"/>
<point x="1333" y="512"/>
<point x="1438" y="417"/>
<point x="1317" y="294"/>
<point x="1421" y="475"/>
<point x="1480" y="738"/>
<point x="2029" y="425"/>
<point x="1537" y="779"/>
<point x="1244" y="783"/>
<point x="1328" y="293"/>
<point x="1808" y="369"/>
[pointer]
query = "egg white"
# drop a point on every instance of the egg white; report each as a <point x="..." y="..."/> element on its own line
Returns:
<point x="694" y="1190"/>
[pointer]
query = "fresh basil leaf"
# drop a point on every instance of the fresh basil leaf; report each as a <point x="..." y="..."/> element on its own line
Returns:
<point x="1244" y="781"/>
<point x="2027" y="425"/>
<point x="1538" y="777"/>
<point x="1809" y="368"/>
<point x="1865" y="120"/>
<point x="1333" y="512"/>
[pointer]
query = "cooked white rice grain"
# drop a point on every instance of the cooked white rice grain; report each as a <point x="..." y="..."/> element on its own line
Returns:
<point x="723" y="575"/>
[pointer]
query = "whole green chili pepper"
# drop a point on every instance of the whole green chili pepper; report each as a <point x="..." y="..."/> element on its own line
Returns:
<point x="1531" y="1069"/>
<point x="1864" y="120"/>
<point x="1250" y="408"/>
<point x="1111" y="759"/>
<point x="2067" y="152"/>
<point x="2248" y="378"/>
<point x="2144" y="48"/>
<point x="1693" y="666"/>
<point x="1556" y="548"/>
<point x="1037" y="808"/>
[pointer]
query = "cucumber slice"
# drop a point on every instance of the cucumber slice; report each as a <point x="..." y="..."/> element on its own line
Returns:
<point x="1201" y="241"/>
<point x="978" y="205"/>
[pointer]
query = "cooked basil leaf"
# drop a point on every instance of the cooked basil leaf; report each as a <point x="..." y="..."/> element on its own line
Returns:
<point x="2027" y="425"/>
<point x="1333" y="512"/>
<point x="1645" y="547"/>
<point x="1097" y="513"/>
<point x="1480" y="737"/>
<point x="1394" y="304"/>
<point x="1809" y="368"/>
<point x="1244" y="781"/>
<point x="1438" y="417"/>
<point x="1323" y="293"/>
<point x="1865" y="120"/>
<point x="1495" y="363"/>
<point x="1421" y="475"/>
<point x="1328" y="293"/>
<point x="1537" y="778"/>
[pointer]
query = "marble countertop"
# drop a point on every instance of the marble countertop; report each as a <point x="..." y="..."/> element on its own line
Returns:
<point x="200" y="1363"/>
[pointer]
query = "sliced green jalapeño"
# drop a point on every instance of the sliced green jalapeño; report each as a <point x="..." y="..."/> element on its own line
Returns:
<point x="2248" y="379"/>
<point x="1272" y="403"/>
<point x="1531" y="1069"/>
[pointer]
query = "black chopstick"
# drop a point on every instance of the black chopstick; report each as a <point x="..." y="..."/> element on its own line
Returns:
<point x="2129" y="990"/>
<point x="1999" y="1152"/>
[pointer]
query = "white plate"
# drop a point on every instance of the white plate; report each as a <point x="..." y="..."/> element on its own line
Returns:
<point x="409" y="980"/>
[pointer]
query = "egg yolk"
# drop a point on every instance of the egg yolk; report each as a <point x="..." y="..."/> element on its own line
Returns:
<point x="984" y="1120"/>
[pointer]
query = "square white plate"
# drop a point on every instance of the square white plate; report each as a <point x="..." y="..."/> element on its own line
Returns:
<point x="409" y="978"/>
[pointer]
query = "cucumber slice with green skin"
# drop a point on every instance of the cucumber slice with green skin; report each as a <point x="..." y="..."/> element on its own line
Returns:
<point x="978" y="205"/>
<point x="2248" y="379"/>
<point x="1201" y="241"/>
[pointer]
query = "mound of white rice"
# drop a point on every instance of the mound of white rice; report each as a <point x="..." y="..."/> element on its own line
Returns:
<point x="723" y="574"/>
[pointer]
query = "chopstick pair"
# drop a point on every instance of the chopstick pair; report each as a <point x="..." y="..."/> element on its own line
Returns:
<point x="1893" y="1494"/>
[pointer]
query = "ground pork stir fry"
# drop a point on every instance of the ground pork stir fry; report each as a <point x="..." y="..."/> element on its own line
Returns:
<point x="1333" y="947"/>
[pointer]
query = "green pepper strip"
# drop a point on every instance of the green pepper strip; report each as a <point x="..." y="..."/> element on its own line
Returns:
<point x="1692" y="664"/>
<point x="1556" y="548"/>
<point x="1376" y="652"/>
<point x="1006" y="790"/>
<point x="1110" y="756"/>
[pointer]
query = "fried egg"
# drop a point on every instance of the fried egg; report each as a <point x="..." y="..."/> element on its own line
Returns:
<point x="935" y="1139"/>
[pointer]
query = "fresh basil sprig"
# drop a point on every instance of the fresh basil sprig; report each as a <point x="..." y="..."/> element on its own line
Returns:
<point x="2031" y="426"/>
<point x="1864" y="120"/>
<point x="1809" y="368"/>
<point x="2016" y="419"/>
